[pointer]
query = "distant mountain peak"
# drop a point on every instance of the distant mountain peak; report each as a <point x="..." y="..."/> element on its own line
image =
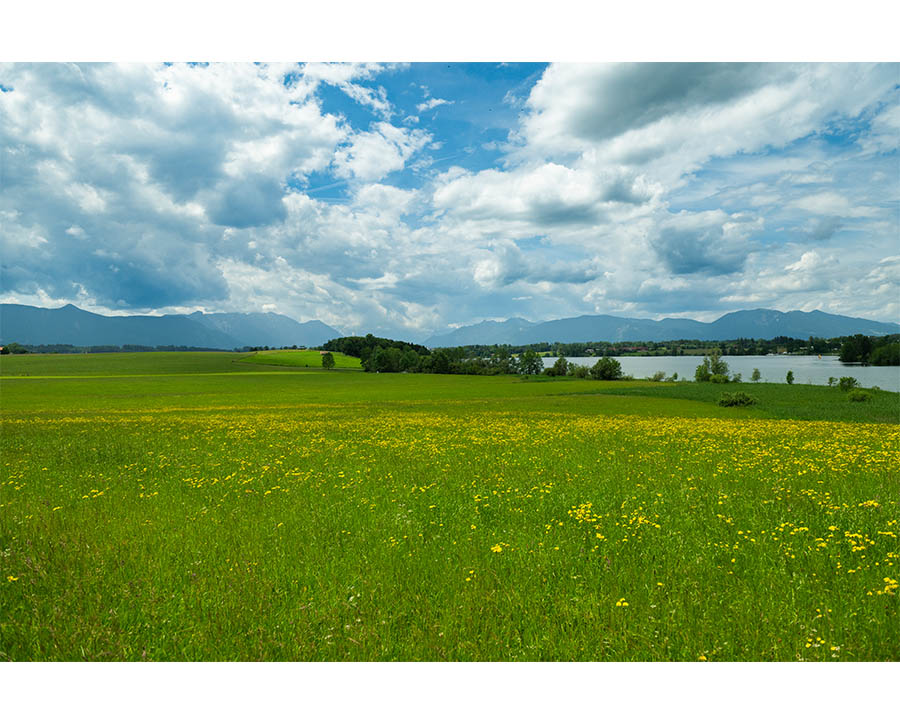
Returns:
<point x="747" y="323"/>
<point x="37" y="325"/>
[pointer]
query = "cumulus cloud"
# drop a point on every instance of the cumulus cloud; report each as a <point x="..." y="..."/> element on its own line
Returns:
<point x="372" y="155"/>
<point x="672" y="118"/>
<point x="709" y="241"/>
<point x="653" y="189"/>
<point x="825" y="228"/>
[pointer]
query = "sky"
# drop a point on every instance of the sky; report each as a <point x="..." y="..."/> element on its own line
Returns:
<point x="405" y="199"/>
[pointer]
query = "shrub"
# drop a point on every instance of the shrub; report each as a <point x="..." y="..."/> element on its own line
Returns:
<point x="607" y="369"/>
<point x="736" y="377"/>
<point x="848" y="383"/>
<point x="789" y="377"/>
<point x="560" y="368"/>
<point x="859" y="396"/>
<point x="719" y="379"/>
<point x="832" y="381"/>
<point x="582" y="372"/>
<point x="736" y="399"/>
<point x="756" y="376"/>
<point x="673" y="378"/>
<point x="710" y="367"/>
<point x="657" y="377"/>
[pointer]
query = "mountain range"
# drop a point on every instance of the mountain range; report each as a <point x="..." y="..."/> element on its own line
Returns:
<point x="750" y="323"/>
<point x="71" y="325"/>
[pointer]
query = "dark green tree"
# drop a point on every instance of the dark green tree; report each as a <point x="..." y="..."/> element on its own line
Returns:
<point x="409" y="361"/>
<point x="856" y="349"/>
<point x="606" y="368"/>
<point x="560" y="368"/>
<point x="530" y="363"/>
<point x="328" y="361"/>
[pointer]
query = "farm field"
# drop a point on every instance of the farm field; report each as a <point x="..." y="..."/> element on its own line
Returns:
<point x="300" y="358"/>
<point x="201" y="508"/>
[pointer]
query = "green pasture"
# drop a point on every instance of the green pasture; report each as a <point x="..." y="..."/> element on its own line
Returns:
<point x="200" y="507"/>
<point x="301" y="358"/>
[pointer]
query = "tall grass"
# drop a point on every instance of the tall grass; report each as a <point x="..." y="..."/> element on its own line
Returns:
<point x="321" y="516"/>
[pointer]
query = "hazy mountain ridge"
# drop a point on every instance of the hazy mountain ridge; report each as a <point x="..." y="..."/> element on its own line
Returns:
<point x="749" y="323"/>
<point x="267" y="329"/>
<point x="71" y="325"/>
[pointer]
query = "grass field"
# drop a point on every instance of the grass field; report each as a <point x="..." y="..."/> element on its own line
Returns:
<point x="301" y="358"/>
<point x="200" y="508"/>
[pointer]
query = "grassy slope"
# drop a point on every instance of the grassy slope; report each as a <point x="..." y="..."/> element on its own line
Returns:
<point x="119" y="363"/>
<point x="313" y="515"/>
<point x="194" y="380"/>
<point x="301" y="358"/>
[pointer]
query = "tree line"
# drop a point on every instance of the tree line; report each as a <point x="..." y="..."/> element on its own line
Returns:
<point x="16" y="348"/>
<point x="850" y="349"/>
<point x="865" y="350"/>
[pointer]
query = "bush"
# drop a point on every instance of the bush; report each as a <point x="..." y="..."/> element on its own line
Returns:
<point x="560" y="368"/>
<point x="756" y="376"/>
<point x="719" y="379"/>
<point x="736" y="399"/>
<point x="673" y="378"/>
<point x="847" y="383"/>
<point x="736" y="377"/>
<point x="789" y="377"/>
<point x="607" y="369"/>
<point x="582" y="372"/>
<point x="658" y="377"/>
<point x="859" y="396"/>
<point x="711" y="366"/>
<point x="832" y="381"/>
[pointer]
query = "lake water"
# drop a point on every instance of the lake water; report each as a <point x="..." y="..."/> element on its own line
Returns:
<point x="808" y="370"/>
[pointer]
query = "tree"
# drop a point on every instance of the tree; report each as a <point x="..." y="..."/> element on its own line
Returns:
<point x="789" y="377"/>
<point x="387" y="360"/>
<point x="889" y="354"/>
<point x="409" y="361"/>
<point x="530" y="363"/>
<point x="606" y="369"/>
<point x="440" y="362"/>
<point x="756" y="376"/>
<point x="328" y="361"/>
<point x="856" y="349"/>
<point x="712" y="366"/>
<point x="560" y="368"/>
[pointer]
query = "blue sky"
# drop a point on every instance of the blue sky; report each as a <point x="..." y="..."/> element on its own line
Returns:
<point x="404" y="199"/>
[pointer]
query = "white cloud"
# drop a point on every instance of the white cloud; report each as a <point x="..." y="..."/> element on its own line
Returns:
<point x="432" y="103"/>
<point x="831" y="204"/>
<point x="372" y="155"/>
<point x="639" y="190"/>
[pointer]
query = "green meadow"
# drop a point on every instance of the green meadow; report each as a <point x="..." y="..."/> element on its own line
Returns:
<point x="224" y="506"/>
<point x="301" y="358"/>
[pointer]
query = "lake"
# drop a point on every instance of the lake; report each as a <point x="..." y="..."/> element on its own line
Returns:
<point x="808" y="369"/>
